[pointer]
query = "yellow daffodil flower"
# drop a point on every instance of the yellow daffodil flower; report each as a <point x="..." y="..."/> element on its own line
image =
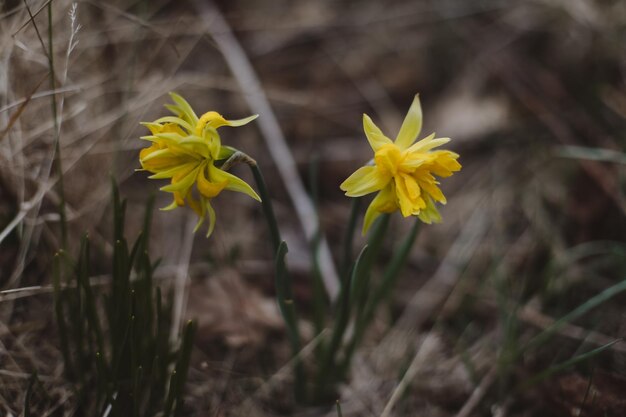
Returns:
<point x="403" y="172"/>
<point x="184" y="149"/>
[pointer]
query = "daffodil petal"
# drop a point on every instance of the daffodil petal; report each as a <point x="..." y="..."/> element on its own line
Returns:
<point x="404" y="200"/>
<point x="170" y="206"/>
<point x="176" y="110"/>
<point x="196" y="205"/>
<point x="169" y="173"/>
<point x="185" y="108"/>
<point x="209" y="189"/>
<point x="211" y="213"/>
<point x="198" y="224"/>
<point x="215" y="141"/>
<point x="374" y="135"/>
<point x="370" y="216"/>
<point x="156" y="160"/>
<point x="363" y="181"/>
<point x="177" y="121"/>
<point x="241" y="122"/>
<point x="428" y="143"/>
<point x="154" y="127"/>
<point x="431" y="188"/>
<point x="234" y="183"/>
<point x="444" y="163"/>
<point x="411" y="126"/>
<point x="384" y="202"/>
<point x="430" y="214"/>
<point x="210" y="119"/>
<point x="184" y="183"/>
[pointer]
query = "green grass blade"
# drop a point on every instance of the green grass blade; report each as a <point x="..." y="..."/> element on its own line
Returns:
<point x="576" y="313"/>
<point x="592" y="154"/>
<point x="59" y="303"/>
<point x="90" y="302"/>
<point x="327" y="375"/>
<point x="57" y="133"/>
<point x="29" y="395"/>
<point x="380" y="293"/>
<point x="567" y="364"/>
<point x="338" y="405"/>
<point x="320" y="297"/>
<point x="182" y="367"/>
<point x="284" y="296"/>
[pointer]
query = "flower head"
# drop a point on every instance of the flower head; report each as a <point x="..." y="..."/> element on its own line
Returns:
<point x="403" y="172"/>
<point x="184" y="149"/>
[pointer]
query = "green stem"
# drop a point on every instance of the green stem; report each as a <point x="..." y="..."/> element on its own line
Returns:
<point x="266" y="203"/>
<point x="390" y="277"/>
<point x="59" y="302"/>
<point x="327" y="369"/>
<point x="392" y="272"/>
<point x="374" y="242"/>
<point x="284" y="292"/>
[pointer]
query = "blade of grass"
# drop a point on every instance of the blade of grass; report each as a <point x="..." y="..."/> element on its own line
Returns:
<point x="284" y="296"/>
<point x="360" y="285"/>
<point x="591" y="154"/>
<point x="338" y="405"/>
<point x="327" y="374"/>
<point x="29" y="395"/>
<point x="59" y="302"/>
<point x="15" y="116"/>
<point x="57" y="133"/>
<point x="319" y="294"/>
<point x="90" y="303"/>
<point x="574" y="314"/>
<point x="392" y="272"/>
<point x="379" y="294"/>
<point x="565" y="365"/>
<point x="182" y="367"/>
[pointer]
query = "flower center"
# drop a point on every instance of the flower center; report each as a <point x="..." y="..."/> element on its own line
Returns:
<point x="388" y="159"/>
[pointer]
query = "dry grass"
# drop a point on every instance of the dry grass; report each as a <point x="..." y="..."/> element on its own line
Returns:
<point x="528" y="234"/>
